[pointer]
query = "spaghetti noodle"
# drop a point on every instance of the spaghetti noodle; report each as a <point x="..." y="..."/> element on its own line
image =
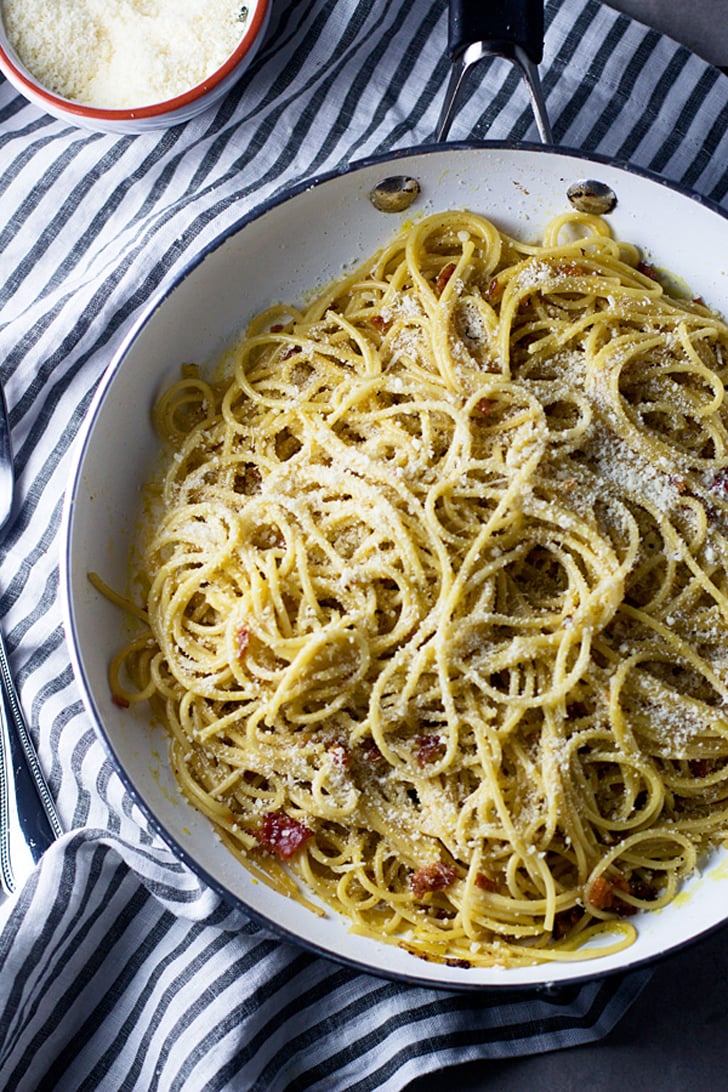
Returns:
<point x="437" y="595"/>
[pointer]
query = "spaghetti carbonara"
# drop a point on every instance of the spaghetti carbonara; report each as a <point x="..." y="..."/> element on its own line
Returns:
<point x="437" y="597"/>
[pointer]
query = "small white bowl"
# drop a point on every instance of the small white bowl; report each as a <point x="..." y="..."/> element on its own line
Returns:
<point x="141" y="119"/>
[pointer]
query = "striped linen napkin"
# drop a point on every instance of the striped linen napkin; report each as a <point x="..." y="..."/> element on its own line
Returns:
<point x="119" y="969"/>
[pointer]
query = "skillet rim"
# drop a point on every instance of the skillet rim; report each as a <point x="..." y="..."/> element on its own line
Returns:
<point x="589" y="969"/>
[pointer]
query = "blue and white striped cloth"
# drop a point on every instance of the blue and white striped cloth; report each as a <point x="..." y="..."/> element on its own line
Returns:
<point x="118" y="969"/>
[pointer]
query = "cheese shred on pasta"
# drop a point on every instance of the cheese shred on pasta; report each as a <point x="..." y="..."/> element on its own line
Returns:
<point x="437" y="594"/>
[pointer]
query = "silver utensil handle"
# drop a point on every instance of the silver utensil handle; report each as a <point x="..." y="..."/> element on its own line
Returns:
<point x="511" y="29"/>
<point x="29" y="821"/>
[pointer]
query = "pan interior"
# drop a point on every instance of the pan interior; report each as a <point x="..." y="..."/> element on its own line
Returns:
<point x="290" y="250"/>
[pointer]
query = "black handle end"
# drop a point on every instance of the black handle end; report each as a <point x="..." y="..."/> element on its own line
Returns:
<point x="510" y="22"/>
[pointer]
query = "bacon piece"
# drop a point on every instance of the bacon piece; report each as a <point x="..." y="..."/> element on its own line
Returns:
<point x="495" y="290"/>
<point x="242" y="638"/>
<point x="719" y="484"/>
<point x="121" y="702"/>
<point x="484" y="406"/>
<point x="277" y="328"/>
<point x="428" y="747"/>
<point x="340" y="755"/>
<point x="459" y="963"/>
<point x="370" y="752"/>
<point x="647" y="270"/>
<point x="485" y="883"/>
<point x="565" y="921"/>
<point x="604" y="894"/>
<point x="281" y="835"/>
<point x="432" y="877"/>
<point x="380" y="323"/>
<point x="444" y="276"/>
<point x="601" y="895"/>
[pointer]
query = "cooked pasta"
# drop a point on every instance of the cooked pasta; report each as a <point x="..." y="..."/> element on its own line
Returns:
<point x="436" y="592"/>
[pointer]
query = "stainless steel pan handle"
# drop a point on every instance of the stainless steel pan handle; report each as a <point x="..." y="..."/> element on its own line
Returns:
<point x="512" y="29"/>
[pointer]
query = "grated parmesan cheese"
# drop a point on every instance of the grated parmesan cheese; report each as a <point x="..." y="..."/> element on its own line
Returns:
<point x="121" y="54"/>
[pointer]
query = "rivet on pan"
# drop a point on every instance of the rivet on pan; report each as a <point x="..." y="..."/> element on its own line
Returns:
<point x="394" y="194"/>
<point x="591" y="196"/>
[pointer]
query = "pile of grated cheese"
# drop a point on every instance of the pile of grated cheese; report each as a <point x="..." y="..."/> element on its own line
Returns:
<point x="123" y="54"/>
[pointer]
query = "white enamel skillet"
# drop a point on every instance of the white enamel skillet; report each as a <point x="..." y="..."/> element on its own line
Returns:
<point x="281" y="252"/>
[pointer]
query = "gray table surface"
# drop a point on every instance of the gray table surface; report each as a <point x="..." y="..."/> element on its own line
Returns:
<point x="673" y="1039"/>
<point x="700" y="24"/>
<point x="675" y="1036"/>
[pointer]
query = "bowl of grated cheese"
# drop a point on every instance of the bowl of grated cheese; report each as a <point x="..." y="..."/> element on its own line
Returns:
<point x="128" y="66"/>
